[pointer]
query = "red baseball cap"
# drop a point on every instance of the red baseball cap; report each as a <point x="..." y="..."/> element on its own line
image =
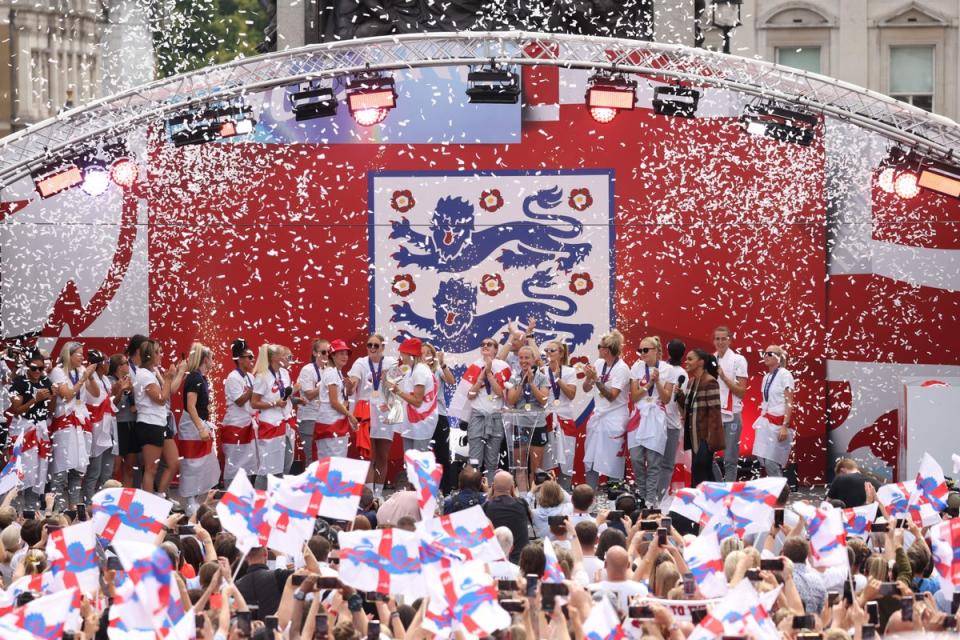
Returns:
<point x="338" y="345"/>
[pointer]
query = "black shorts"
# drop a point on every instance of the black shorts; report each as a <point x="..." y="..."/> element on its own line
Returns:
<point x="149" y="434"/>
<point x="126" y="440"/>
<point x="537" y="439"/>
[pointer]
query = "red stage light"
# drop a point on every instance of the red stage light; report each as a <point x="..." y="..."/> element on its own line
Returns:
<point x="60" y="180"/>
<point x="886" y="178"/>
<point x="906" y="185"/>
<point x="603" y="114"/>
<point x="369" y="117"/>
<point x="124" y="173"/>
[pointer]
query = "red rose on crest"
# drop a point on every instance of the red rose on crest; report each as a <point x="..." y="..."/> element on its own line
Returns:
<point x="402" y="201"/>
<point x="491" y="200"/>
<point x="403" y="285"/>
<point x="492" y="284"/>
<point x="581" y="283"/>
<point x="580" y="199"/>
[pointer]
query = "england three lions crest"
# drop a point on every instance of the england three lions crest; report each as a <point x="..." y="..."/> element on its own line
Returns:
<point x="459" y="256"/>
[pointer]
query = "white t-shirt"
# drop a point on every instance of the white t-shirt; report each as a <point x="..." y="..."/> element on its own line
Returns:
<point x="592" y="566"/>
<point x="776" y="403"/>
<point x="624" y="590"/>
<point x="235" y="386"/>
<point x="488" y="403"/>
<point x="639" y="373"/>
<point x="617" y="377"/>
<point x="441" y="397"/>
<point x="308" y="379"/>
<point x="148" y="411"/>
<point x="331" y="376"/>
<point x="287" y="408"/>
<point x="568" y="375"/>
<point x="268" y="386"/>
<point x="670" y="374"/>
<point x="361" y="371"/>
<point x="735" y="366"/>
<point x="420" y="375"/>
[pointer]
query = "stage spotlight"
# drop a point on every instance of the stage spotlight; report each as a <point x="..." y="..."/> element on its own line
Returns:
<point x="221" y="119"/>
<point x="370" y="97"/>
<point x="313" y="101"/>
<point x="941" y="178"/>
<point x="675" y="101"/>
<point x="124" y="173"/>
<point x="886" y="179"/>
<point x="491" y="85"/>
<point x="608" y="95"/>
<point x="906" y="185"/>
<point x="96" y="180"/>
<point x="780" y="123"/>
<point x="53" y="182"/>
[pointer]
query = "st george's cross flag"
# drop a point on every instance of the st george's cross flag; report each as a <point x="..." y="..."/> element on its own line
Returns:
<point x="740" y="613"/>
<point x="289" y="529"/>
<point x="129" y="515"/>
<point x="424" y="474"/>
<point x="603" y="623"/>
<point x="464" y="597"/>
<point x="460" y="403"/>
<point x="38" y="583"/>
<point x="242" y="512"/>
<point x="552" y="572"/>
<point x="898" y="498"/>
<point x="330" y="487"/>
<point x="384" y="560"/>
<point x="72" y="555"/>
<point x="691" y="504"/>
<point x="459" y="536"/>
<point x="858" y="521"/>
<point x="155" y="589"/>
<point x="826" y="533"/>
<point x="945" y="545"/>
<point x="47" y="617"/>
<point x="748" y="506"/>
<point x="706" y="564"/>
<point x="931" y="485"/>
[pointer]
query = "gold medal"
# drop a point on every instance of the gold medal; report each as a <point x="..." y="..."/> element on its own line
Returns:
<point x="556" y="402"/>
<point x="491" y="398"/>
<point x="374" y="394"/>
<point x="526" y="407"/>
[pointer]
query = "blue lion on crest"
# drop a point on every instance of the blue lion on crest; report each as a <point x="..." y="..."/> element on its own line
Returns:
<point x="454" y="245"/>
<point x="456" y="327"/>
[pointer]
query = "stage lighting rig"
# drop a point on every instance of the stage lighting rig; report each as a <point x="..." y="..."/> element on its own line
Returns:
<point x="780" y="123"/>
<point x="899" y="174"/>
<point x="370" y="96"/>
<point x="609" y="94"/>
<point x="669" y="100"/>
<point x="493" y="85"/>
<point x="313" y="100"/>
<point x="89" y="170"/>
<point x="941" y="178"/>
<point x="220" y="119"/>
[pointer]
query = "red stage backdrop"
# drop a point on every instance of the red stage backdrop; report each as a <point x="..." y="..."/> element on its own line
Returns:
<point x="270" y="240"/>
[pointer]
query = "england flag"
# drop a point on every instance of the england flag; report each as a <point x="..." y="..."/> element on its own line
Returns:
<point x="330" y="487"/>
<point x="424" y="474"/>
<point x="706" y="564"/>
<point x="462" y="535"/>
<point x="945" y="545"/>
<point x="129" y="515"/>
<point x="464" y="598"/>
<point x="243" y="512"/>
<point x="385" y="561"/>
<point x="72" y="554"/>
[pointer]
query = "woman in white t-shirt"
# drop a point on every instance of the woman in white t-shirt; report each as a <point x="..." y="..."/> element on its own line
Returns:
<point x="773" y="436"/>
<point x="331" y="434"/>
<point x="237" y="428"/>
<point x="152" y="388"/>
<point x="647" y="437"/>
<point x="271" y="390"/>
<point x="74" y="384"/>
<point x="441" y="435"/>
<point x="418" y="389"/>
<point x="102" y="439"/>
<point x="676" y="377"/>
<point x="366" y="381"/>
<point x="610" y="376"/>
<point x="309" y="380"/>
<point x="561" y="428"/>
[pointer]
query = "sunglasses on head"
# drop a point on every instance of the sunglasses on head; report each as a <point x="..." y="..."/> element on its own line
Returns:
<point x="646" y="350"/>
<point x="488" y="343"/>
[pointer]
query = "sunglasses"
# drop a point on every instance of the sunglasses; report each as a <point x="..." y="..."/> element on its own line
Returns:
<point x="246" y="357"/>
<point x="373" y="345"/>
<point x="550" y="350"/>
<point x="646" y="350"/>
<point x="36" y="368"/>
<point x="323" y="352"/>
<point x="602" y="346"/>
<point x="488" y="343"/>
<point x="771" y="354"/>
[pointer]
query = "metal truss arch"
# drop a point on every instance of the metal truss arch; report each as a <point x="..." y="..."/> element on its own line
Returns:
<point x="114" y="116"/>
